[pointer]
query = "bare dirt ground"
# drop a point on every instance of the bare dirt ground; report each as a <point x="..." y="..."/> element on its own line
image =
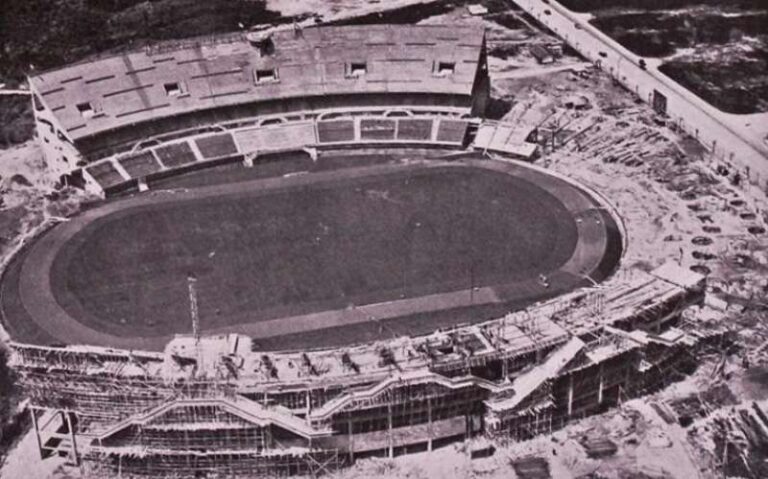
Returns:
<point x="29" y="198"/>
<point x="676" y="207"/>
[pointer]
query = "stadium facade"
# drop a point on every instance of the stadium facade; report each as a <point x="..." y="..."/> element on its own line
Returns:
<point x="215" y="406"/>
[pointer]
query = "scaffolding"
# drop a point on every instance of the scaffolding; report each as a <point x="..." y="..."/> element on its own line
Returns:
<point x="219" y="464"/>
<point x="211" y="406"/>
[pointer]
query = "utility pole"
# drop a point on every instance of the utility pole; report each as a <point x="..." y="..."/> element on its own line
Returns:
<point x="192" y="285"/>
<point x="194" y="314"/>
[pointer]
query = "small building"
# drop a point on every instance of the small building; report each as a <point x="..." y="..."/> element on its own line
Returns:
<point x="477" y="9"/>
<point x="542" y="54"/>
<point x="555" y="48"/>
<point x="507" y="139"/>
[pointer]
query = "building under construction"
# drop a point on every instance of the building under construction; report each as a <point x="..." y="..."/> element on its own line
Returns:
<point x="215" y="407"/>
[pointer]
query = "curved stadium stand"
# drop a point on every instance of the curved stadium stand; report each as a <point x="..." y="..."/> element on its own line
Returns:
<point x="143" y="113"/>
<point x="419" y="128"/>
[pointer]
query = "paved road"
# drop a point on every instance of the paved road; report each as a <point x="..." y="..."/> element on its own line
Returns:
<point x="712" y="127"/>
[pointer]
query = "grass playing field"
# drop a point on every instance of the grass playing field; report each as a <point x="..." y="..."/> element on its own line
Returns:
<point x="356" y="246"/>
<point x="318" y="247"/>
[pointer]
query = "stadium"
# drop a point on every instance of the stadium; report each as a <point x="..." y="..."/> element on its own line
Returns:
<point x="312" y="248"/>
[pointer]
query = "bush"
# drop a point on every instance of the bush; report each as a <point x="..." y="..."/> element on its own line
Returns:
<point x="16" y="120"/>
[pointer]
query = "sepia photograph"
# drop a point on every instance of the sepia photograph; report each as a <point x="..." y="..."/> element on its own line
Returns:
<point x="374" y="239"/>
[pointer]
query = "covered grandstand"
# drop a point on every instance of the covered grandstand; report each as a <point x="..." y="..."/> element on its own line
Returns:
<point x="244" y="94"/>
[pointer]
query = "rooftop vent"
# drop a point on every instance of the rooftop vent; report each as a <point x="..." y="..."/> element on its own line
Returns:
<point x="357" y="69"/>
<point x="86" y="109"/>
<point x="265" y="75"/>
<point x="173" y="89"/>
<point x="444" y="68"/>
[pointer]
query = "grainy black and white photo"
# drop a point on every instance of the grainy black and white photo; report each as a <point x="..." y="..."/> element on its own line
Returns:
<point x="363" y="239"/>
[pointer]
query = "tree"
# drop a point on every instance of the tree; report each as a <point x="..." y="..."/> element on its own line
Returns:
<point x="8" y="391"/>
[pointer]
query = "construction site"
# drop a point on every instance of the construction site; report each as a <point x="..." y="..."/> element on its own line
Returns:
<point x="655" y="370"/>
<point x="211" y="406"/>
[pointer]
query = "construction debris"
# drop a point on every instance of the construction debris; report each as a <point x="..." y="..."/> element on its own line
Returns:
<point x="531" y="468"/>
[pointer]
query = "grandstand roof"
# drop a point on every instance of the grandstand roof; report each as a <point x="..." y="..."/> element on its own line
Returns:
<point x="171" y="79"/>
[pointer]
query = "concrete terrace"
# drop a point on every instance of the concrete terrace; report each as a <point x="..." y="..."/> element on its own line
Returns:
<point x="195" y="75"/>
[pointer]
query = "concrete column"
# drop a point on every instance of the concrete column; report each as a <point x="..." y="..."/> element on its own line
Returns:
<point x="435" y="127"/>
<point x="570" y="395"/>
<point x="429" y="423"/>
<point x="391" y="452"/>
<point x="196" y="151"/>
<point x="600" y="387"/>
<point x="356" y="122"/>
<point x="76" y="458"/>
<point x="505" y="369"/>
<point x="123" y="172"/>
<point x="351" y="443"/>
